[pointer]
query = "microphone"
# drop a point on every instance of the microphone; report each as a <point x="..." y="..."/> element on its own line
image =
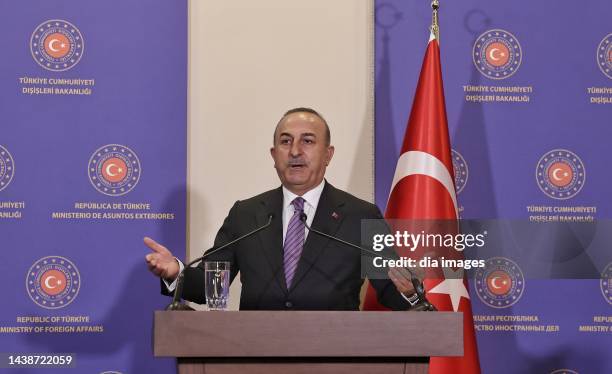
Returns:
<point x="178" y="292"/>
<point x="419" y="303"/>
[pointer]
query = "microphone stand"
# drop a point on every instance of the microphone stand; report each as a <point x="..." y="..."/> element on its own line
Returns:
<point x="176" y="303"/>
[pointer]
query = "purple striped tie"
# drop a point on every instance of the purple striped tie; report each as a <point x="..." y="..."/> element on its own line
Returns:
<point x="294" y="240"/>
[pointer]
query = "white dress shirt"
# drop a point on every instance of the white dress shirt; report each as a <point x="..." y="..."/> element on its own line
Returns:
<point x="311" y="201"/>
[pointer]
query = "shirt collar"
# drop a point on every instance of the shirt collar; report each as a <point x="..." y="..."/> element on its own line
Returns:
<point x="311" y="197"/>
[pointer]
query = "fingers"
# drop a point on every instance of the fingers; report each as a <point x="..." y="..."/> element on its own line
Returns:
<point x="403" y="272"/>
<point x="399" y="278"/>
<point x="161" y="262"/>
<point x="419" y="272"/>
<point x="156" y="247"/>
<point x="152" y="259"/>
<point x="155" y="270"/>
<point x="156" y="264"/>
<point x="402" y="280"/>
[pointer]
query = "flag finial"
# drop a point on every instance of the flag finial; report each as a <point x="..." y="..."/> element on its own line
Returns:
<point x="435" y="28"/>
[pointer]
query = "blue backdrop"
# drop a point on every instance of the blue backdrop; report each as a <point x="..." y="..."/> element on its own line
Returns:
<point x="93" y="146"/>
<point x="528" y="92"/>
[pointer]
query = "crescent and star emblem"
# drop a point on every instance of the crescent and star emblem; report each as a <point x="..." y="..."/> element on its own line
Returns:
<point x="52" y="42"/>
<point x="493" y="53"/>
<point x="48" y="285"/>
<point x="111" y="166"/>
<point x="556" y="176"/>
<point x="494" y="283"/>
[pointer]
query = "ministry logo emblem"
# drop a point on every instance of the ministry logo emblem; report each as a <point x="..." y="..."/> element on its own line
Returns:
<point x="53" y="282"/>
<point x="114" y="169"/>
<point x="560" y="174"/>
<point x="500" y="283"/>
<point x="497" y="54"/>
<point x="57" y="45"/>
<point x="7" y="168"/>
<point x="604" y="56"/>
<point x="605" y="283"/>
<point x="461" y="170"/>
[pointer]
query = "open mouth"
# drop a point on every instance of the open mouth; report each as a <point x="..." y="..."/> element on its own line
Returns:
<point x="297" y="164"/>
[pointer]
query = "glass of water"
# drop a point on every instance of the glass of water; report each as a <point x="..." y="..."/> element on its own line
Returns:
<point x="216" y="284"/>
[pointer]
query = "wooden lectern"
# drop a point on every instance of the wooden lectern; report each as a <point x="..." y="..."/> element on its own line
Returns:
<point x="320" y="342"/>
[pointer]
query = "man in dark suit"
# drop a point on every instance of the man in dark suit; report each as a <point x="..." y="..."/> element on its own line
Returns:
<point x="284" y="266"/>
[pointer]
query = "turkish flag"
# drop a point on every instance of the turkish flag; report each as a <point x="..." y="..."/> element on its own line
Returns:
<point x="423" y="189"/>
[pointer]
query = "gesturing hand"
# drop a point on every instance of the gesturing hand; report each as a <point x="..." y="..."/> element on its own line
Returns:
<point x="161" y="262"/>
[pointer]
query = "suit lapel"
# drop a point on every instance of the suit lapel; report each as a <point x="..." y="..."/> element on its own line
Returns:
<point x="272" y="237"/>
<point x="327" y="219"/>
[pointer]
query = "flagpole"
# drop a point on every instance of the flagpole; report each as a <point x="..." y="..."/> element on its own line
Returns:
<point x="435" y="28"/>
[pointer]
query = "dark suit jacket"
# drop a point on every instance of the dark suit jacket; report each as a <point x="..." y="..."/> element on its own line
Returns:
<point x="328" y="276"/>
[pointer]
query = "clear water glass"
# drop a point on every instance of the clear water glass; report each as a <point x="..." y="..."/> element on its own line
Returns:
<point x="217" y="284"/>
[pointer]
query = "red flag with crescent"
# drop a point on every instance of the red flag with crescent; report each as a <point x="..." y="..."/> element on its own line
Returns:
<point x="423" y="189"/>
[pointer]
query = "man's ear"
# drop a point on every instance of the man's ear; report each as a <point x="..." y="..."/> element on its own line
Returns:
<point x="272" y="151"/>
<point x="330" y="153"/>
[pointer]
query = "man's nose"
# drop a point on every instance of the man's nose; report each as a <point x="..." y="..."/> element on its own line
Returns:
<point x="296" y="149"/>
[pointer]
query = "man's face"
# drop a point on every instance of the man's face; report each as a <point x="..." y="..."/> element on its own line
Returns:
<point x="300" y="152"/>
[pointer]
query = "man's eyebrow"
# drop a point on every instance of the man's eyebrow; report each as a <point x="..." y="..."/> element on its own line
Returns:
<point x="301" y="135"/>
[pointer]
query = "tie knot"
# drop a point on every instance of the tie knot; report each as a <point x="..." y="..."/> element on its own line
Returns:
<point x="298" y="204"/>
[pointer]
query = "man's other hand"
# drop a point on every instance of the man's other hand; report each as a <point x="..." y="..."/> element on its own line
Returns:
<point x="161" y="262"/>
<point x="402" y="280"/>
